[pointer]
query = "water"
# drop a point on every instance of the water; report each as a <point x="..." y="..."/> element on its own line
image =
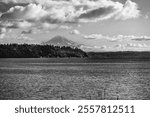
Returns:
<point x="69" y="79"/>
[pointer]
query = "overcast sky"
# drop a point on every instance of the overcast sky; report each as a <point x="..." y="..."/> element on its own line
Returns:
<point x="101" y="25"/>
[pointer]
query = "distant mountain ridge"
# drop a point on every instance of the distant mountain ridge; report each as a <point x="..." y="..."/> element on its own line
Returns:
<point x="62" y="41"/>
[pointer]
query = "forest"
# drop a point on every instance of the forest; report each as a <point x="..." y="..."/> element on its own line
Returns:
<point x="50" y="51"/>
<point x="38" y="51"/>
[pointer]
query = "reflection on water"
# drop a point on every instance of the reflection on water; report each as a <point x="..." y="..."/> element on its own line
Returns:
<point x="74" y="79"/>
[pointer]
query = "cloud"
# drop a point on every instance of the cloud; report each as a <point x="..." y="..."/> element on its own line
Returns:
<point x="93" y="36"/>
<point x="5" y="6"/>
<point x="108" y="9"/>
<point x="142" y="38"/>
<point x="24" y="38"/>
<point x="117" y="38"/>
<point x="97" y="13"/>
<point x="58" y="14"/>
<point x="2" y="33"/>
<point x="130" y="47"/>
<point x="119" y="46"/>
<point x="109" y="38"/>
<point x="133" y="45"/>
<point x="65" y="11"/>
<point x="2" y="30"/>
<point x="130" y="10"/>
<point x="47" y="26"/>
<point x="20" y="24"/>
<point x="27" y="32"/>
<point x="78" y="25"/>
<point x="147" y="15"/>
<point x="31" y="12"/>
<point x="100" y="47"/>
<point x="94" y="48"/>
<point x="65" y="27"/>
<point x="75" y="32"/>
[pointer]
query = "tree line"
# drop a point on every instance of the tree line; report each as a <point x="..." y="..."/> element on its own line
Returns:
<point x="38" y="51"/>
<point x="120" y="55"/>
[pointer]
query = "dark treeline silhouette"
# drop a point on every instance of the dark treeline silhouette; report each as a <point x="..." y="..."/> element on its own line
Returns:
<point x="50" y="51"/>
<point x="120" y="55"/>
<point x="37" y="51"/>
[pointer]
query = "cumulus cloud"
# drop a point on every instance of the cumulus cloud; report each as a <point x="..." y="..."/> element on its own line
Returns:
<point x="30" y="12"/>
<point x="130" y="10"/>
<point x="75" y="32"/>
<point x="53" y="14"/>
<point x="4" y="6"/>
<point x="117" y="38"/>
<point x="106" y="9"/>
<point x="60" y="11"/>
<point x="20" y="24"/>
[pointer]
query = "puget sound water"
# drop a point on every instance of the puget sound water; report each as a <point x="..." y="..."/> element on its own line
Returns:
<point x="74" y="79"/>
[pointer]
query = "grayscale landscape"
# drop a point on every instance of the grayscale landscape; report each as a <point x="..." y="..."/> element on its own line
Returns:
<point x="74" y="50"/>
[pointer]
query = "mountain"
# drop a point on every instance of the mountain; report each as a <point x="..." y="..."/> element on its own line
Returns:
<point x="62" y="41"/>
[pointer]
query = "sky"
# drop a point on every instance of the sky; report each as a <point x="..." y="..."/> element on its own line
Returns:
<point x="100" y="25"/>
